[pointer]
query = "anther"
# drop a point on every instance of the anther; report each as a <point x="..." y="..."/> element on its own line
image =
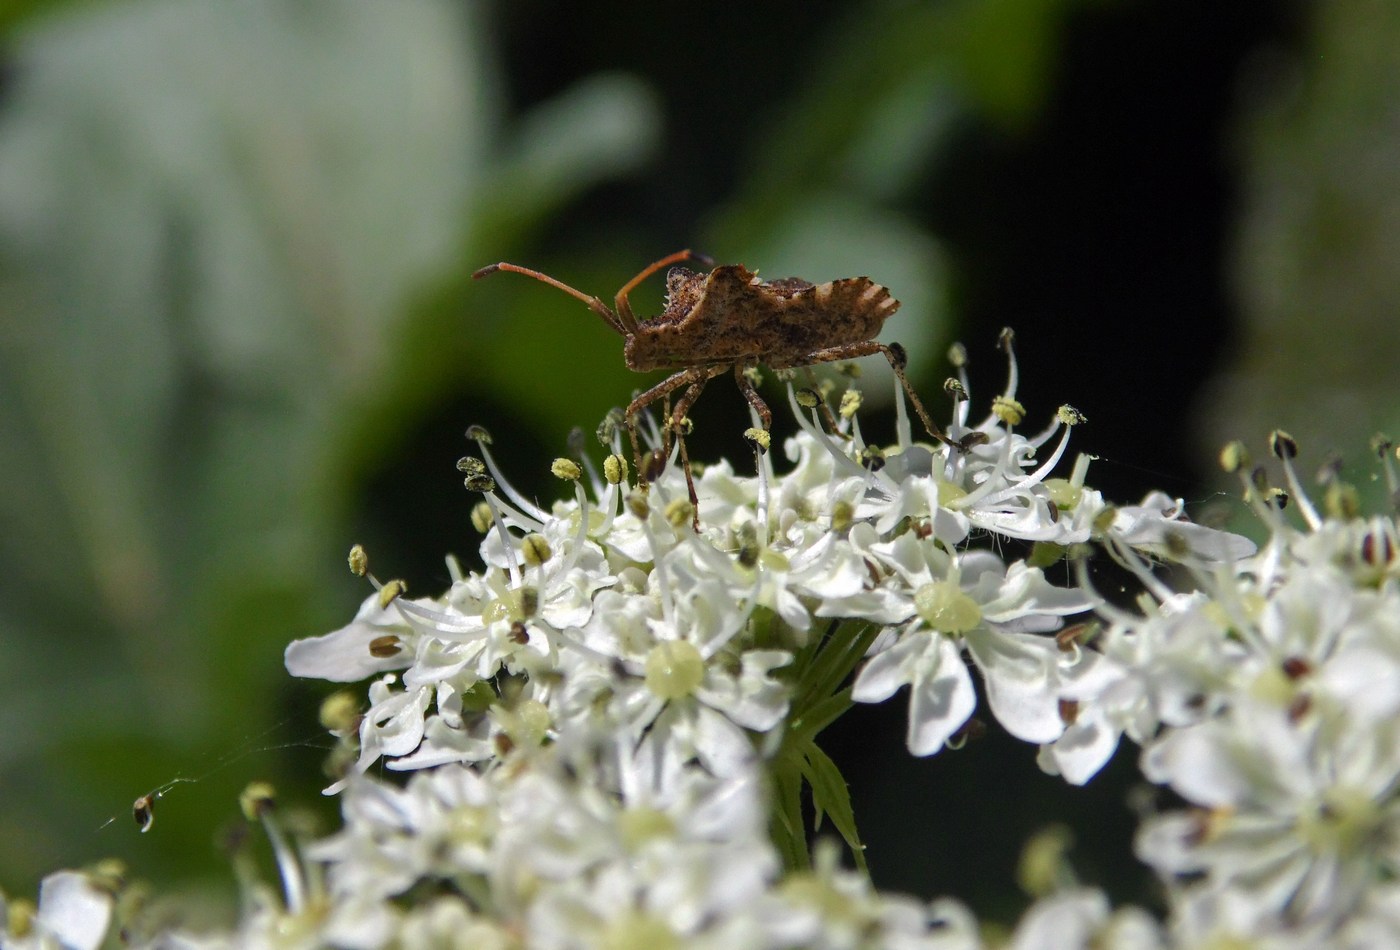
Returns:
<point x="759" y="437"/>
<point x="1342" y="501"/>
<point x="1234" y="457"/>
<point x="482" y="517"/>
<point x="955" y="388"/>
<point x="385" y="646"/>
<point x="1283" y="445"/>
<point x="680" y="512"/>
<point x="575" y="442"/>
<point x="566" y="469"/>
<point x="471" y="465"/>
<point x="842" y="514"/>
<point x="748" y="545"/>
<point x="340" y="712"/>
<point x="850" y="403"/>
<point x="1008" y="410"/>
<point x="957" y="355"/>
<point x="479" y="434"/>
<point x="359" y="561"/>
<point x="808" y="398"/>
<point x="535" y="549"/>
<point x="481" y="483"/>
<point x="653" y="465"/>
<point x="1070" y="416"/>
<point x="611" y="423"/>
<point x="390" y="592"/>
<point x="615" y="469"/>
<point x="257" y="800"/>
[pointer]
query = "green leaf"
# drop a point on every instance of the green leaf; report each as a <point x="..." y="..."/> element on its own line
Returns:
<point x="816" y="717"/>
<point x="832" y="796"/>
<point x="786" y="826"/>
<point x="836" y="657"/>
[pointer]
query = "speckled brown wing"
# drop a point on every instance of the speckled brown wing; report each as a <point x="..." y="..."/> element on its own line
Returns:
<point x="836" y="313"/>
<point x="730" y="316"/>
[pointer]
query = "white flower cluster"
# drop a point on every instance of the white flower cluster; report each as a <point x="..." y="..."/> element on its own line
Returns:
<point x="1269" y="699"/>
<point x="601" y="729"/>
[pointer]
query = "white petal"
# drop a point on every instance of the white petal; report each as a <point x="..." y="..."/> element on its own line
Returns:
<point x="1198" y="767"/>
<point x="1084" y="748"/>
<point x="1017" y="669"/>
<point x="73" y="910"/>
<point x="884" y="673"/>
<point x="1367" y="680"/>
<point x="341" y="656"/>
<point x="723" y="747"/>
<point x="940" y="704"/>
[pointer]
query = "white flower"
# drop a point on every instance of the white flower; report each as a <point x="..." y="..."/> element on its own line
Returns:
<point x="1082" y="918"/>
<point x="1300" y="814"/>
<point x="973" y="602"/>
<point x="74" y="913"/>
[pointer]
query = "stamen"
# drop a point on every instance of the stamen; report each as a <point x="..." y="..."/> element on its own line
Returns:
<point x="815" y="431"/>
<point x="957" y="355"/>
<point x="483" y="441"/>
<point x="1102" y="605"/>
<point x="903" y="431"/>
<point x="580" y="536"/>
<point x="1285" y="449"/>
<point x="442" y="623"/>
<point x="258" y="801"/>
<point x="1383" y="447"/>
<point x="1006" y="343"/>
<point x="506" y="545"/>
<point x="576" y="449"/>
<point x="1033" y="478"/>
<point x="1130" y="560"/>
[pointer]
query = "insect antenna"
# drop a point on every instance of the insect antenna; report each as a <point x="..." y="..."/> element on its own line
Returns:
<point x="624" y="308"/>
<point x="594" y="304"/>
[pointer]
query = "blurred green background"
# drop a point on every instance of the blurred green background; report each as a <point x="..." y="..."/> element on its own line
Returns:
<point x="237" y="329"/>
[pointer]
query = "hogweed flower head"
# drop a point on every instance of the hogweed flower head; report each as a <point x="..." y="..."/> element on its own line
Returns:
<point x="589" y="724"/>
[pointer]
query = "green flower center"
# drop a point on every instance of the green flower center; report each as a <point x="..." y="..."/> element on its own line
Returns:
<point x="944" y="607"/>
<point x="1343" y="823"/>
<point x="675" y="669"/>
<point x="638" y="931"/>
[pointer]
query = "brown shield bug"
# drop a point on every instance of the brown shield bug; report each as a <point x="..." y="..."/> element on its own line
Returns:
<point x="729" y="319"/>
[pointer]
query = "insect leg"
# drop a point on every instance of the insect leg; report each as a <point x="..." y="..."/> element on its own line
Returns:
<point x="689" y="484"/>
<point x="678" y="426"/>
<point x="755" y="400"/>
<point x="661" y="390"/>
<point x="624" y="309"/>
<point x="828" y="417"/>
<point x="898" y="360"/>
<point x="697" y="386"/>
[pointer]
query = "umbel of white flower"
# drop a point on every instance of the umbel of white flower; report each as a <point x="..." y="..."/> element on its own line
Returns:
<point x="606" y="730"/>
